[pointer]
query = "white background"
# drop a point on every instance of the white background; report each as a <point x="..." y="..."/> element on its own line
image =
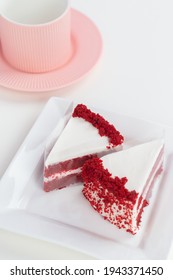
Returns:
<point x="134" y="77"/>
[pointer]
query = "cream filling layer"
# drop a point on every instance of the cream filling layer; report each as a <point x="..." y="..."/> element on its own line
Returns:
<point x="57" y="176"/>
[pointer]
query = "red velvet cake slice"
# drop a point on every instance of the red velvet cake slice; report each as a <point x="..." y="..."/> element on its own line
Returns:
<point x="85" y="136"/>
<point x="118" y="185"/>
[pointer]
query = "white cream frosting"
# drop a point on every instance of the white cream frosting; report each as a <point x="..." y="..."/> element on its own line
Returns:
<point x="135" y="163"/>
<point x="79" y="138"/>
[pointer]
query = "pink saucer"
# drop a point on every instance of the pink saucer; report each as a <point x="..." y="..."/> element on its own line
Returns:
<point x="87" y="44"/>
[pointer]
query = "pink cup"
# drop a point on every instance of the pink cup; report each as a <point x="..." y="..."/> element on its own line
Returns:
<point x="35" y="35"/>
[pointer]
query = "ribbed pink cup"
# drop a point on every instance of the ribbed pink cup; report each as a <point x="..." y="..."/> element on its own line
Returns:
<point x="38" y="41"/>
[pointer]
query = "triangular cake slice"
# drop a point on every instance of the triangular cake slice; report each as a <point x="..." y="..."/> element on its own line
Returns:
<point x="85" y="136"/>
<point x="118" y="185"/>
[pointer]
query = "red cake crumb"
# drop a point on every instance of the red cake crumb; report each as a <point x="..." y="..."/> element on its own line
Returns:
<point x="93" y="171"/>
<point x="109" y="196"/>
<point x="103" y="126"/>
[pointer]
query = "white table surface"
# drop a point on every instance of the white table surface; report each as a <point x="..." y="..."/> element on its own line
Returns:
<point x="134" y="77"/>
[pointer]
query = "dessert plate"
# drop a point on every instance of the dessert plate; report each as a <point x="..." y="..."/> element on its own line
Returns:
<point x="87" y="47"/>
<point x="68" y="218"/>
